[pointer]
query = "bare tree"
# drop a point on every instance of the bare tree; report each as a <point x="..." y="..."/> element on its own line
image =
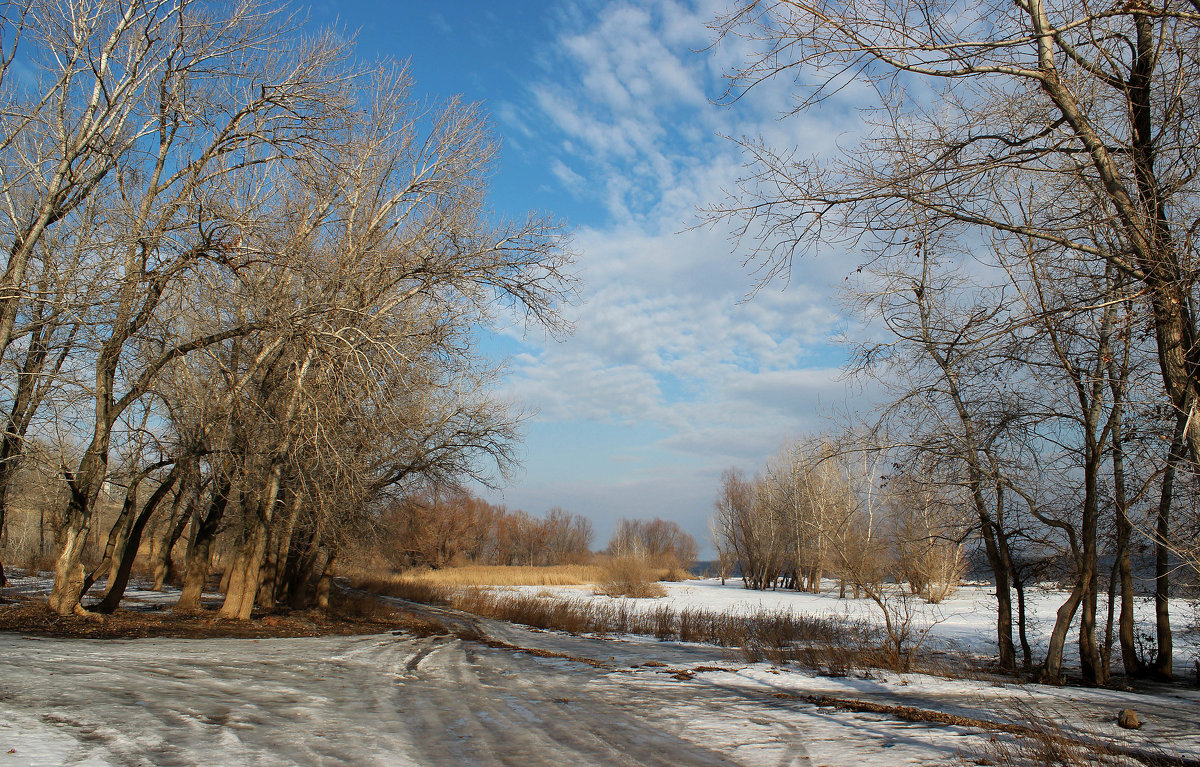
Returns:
<point x="1100" y="101"/>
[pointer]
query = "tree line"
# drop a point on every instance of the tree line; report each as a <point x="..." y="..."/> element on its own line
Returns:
<point x="448" y="526"/>
<point x="442" y="527"/>
<point x="1022" y="210"/>
<point x="244" y="277"/>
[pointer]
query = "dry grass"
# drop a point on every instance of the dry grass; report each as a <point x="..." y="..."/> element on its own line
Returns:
<point x="1031" y="739"/>
<point x="630" y="577"/>
<point x="833" y="646"/>
<point x="497" y="575"/>
<point x="505" y="575"/>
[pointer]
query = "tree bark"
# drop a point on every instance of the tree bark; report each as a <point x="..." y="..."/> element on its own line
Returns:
<point x="116" y="587"/>
<point x="247" y="565"/>
<point x="1163" y="665"/>
<point x="199" y="555"/>
<point x="187" y="497"/>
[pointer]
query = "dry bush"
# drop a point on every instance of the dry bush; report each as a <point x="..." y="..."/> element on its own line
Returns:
<point x="1036" y="740"/>
<point x="630" y="577"/>
<point x="39" y="563"/>
<point x="927" y="527"/>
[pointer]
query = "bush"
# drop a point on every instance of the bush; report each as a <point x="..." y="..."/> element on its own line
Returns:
<point x="630" y="577"/>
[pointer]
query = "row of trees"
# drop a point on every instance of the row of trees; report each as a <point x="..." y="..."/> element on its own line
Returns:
<point x="243" y="279"/>
<point x="1024" y="204"/>
<point x="817" y="513"/>
<point x="444" y="527"/>
<point x="661" y="543"/>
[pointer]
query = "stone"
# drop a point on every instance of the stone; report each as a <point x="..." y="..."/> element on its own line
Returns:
<point x="1128" y="719"/>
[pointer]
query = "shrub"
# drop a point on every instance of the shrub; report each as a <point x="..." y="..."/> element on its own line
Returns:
<point x="630" y="577"/>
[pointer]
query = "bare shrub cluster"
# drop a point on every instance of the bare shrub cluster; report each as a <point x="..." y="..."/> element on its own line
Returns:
<point x="629" y="576"/>
<point x="660" y="543"/>
<point x="816" y="512"/>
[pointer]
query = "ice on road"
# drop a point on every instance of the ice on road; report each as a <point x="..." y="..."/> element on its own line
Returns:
<point x="406" y="700"/>
<point x="395" y="700"/>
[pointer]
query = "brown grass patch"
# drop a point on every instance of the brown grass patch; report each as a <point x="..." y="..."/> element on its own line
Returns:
<point x="834" y="646"/>
<point x="830" y="645"/>
<point x="1029" y="737"/>
<point x="497" y="575"/>
<point x="630" y="577"/>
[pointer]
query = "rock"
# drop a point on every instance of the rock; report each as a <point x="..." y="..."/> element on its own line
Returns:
<point x="1128" y="719"/>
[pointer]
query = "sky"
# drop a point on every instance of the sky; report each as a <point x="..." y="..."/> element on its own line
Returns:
<point x="608" y="118"/>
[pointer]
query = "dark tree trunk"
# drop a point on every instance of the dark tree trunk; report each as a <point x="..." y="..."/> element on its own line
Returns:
<point x="1164" y="662"/>
<point x="116" y="589"/>
<point x="199" y="555"/>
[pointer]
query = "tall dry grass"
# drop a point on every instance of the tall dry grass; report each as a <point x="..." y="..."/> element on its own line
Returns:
<point x="502" y="575"/>
<point x="603" y="571"/>
<point x="1030" y="738"/>
<point x="630" y="577"/>
<point x="833" y="646"/>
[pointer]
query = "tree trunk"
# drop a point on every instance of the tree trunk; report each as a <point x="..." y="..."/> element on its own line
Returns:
<point x="304" y="591"/>
<point x="1163" y="666"/>
<point x="164" y="567"/>
<point x="1052" y="667"/>
<point x="247" y="565"/>
<point x="183" y="511"/>
<point x="116" y="538"/>
<point x="1118" y="377"/>
<point x="84" y="486"/>
<point x="1090" y="663"/>
<point x="280" y="540"/>
<point x="1004" y="551"/>
<point x="324" y="583"/>
<point x="1001" y="577"/>
<point x="1026" y="650"/>
<point x="1133" y="665"/>
<point x="28" y="397"/>
<point x="283" y="550"/>
<point x="116" y="587"/>
<point x="199" y="555"/>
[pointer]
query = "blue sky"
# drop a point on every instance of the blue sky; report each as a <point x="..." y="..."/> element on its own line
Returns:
<point x="605" y="114"/>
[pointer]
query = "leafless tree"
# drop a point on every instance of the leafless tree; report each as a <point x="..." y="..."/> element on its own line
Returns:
<point x="1101" y="101"/>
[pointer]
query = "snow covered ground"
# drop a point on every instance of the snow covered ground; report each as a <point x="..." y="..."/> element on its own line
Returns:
<point x="526" y="698"/>
<point x="138" y="595"/>
<point x="966" y="621"/>
<point x="399" y="700"/>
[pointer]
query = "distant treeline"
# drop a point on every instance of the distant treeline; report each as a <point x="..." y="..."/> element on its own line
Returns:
<point x="444" y="527"/>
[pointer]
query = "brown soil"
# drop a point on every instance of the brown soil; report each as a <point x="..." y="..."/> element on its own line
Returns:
<point x="34" y="617"/>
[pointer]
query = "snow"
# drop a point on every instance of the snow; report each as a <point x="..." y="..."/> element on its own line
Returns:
<point x="965" y="621"/>
<point x="139" y="594"/>
<point x="405" y="700"/>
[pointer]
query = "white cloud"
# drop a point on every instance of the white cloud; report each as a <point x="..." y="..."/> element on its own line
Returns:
<point x="664" y="335"/>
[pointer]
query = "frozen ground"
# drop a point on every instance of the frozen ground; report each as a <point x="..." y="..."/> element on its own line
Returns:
<point x="966" y="621"/>
<point x="403" y="700"/>
<point x="138" y="595"/>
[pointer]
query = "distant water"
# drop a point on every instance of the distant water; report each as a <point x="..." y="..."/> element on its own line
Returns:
<point x="704" y="568"/>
